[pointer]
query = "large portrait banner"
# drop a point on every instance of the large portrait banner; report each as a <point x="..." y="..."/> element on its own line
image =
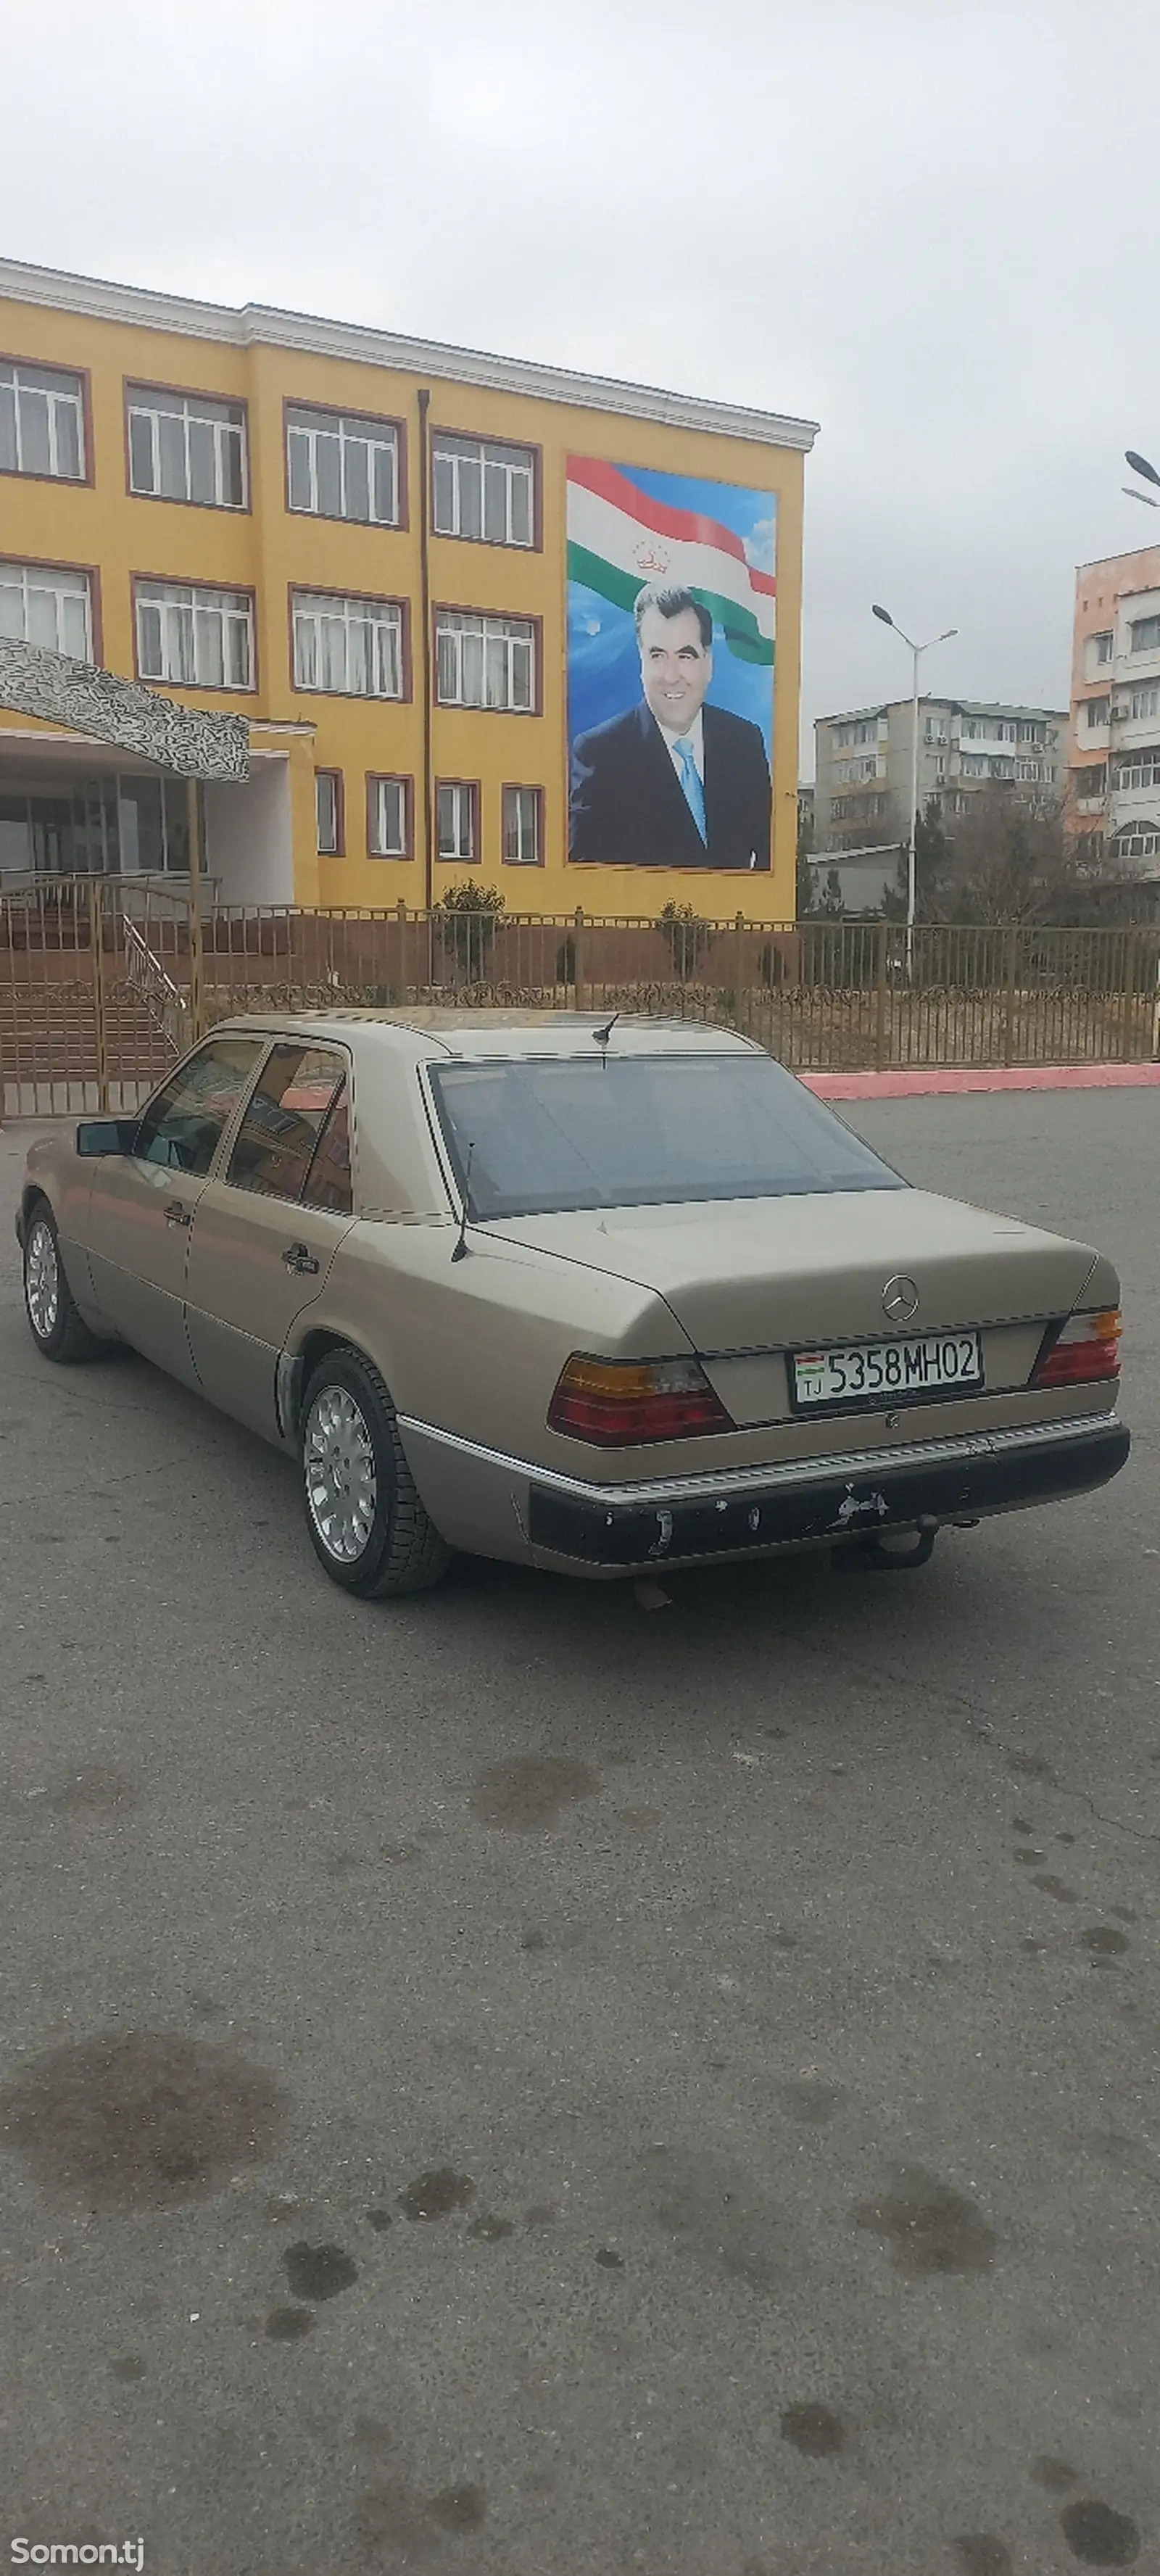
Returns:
<point x="671" y="607"/>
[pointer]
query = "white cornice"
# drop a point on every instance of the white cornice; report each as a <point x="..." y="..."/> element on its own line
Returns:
<point x="253" y="324"/>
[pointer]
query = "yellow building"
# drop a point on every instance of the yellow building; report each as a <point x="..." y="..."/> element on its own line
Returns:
<point x="358" y="542"/>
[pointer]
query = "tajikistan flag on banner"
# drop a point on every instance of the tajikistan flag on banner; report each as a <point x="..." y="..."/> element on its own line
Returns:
<point x="620" y="537"/>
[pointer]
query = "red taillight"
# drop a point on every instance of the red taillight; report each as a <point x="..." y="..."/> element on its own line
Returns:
<point x="1083" y="1351"/>
<point x="616" y="1404"/>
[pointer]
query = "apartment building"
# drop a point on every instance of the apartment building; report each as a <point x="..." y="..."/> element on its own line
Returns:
<point x="862" y="791"/>
<point x="360" y="543"/>
<point x="1114" y="753"/>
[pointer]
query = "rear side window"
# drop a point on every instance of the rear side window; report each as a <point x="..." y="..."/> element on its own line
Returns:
<point x="182" y="1124"/>
<point x="285" y="1118"/>
<point x="328" y="1182"/>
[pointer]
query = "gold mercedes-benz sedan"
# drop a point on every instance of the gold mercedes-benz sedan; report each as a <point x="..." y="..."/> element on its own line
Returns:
<point x="597" y="1297"/>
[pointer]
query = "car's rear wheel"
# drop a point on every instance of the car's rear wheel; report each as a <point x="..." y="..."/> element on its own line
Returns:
<point x="53" y="1320"/>
<point x="366" y="1522"/>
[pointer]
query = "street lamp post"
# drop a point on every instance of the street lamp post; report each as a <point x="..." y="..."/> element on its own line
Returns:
<point x="1140" y="465"/>
<point x="912" y="844"/>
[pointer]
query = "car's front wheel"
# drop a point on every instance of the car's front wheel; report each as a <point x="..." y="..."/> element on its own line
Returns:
<point x="367" y="1524"/>
<point x="54" y="1322"/>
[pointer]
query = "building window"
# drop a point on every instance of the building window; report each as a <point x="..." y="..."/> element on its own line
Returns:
<point x="482" y="490"/>
<point x="1145" y="702"/>
<point x="1142" y="770"/>
<point x="972" y="764"/>
<point x="195" y="637"/>
<point x="523" y="827"/>
<point x="351" y="648"/>
<point x="485" y="661"/>
<point x="1030" y="731"/>
<point x="1144" y="634"/>
<point x="339" y="467"/>
<point x="457" y="802"/>
<point x="1102" y="646"/>
<point x="1096" y="712"/>
<point x="186" y="447"/>
<point x="1143" y="843"/>
<point x="1091" y="781"/>
<point x="328" y="807"/>
<point x="41" y="604"/>
<point x="389" y="818"/>
<point x="42" y="422"/>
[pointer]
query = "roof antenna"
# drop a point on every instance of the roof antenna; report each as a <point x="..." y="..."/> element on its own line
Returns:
<point x="462" y="1247"/>
<point x="600" y="1037"/>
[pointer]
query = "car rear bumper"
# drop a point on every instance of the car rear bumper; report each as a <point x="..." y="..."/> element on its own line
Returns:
<point x="480" y="1500"/>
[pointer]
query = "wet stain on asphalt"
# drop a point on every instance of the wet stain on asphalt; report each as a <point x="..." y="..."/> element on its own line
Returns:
<point x="811" y="2101"/>
<point x="380" y="2220"/>
<point x="1029" y="1766"/>
<point x="93" y="1789"/>
<point x="127" y="2366"/>
<point x="437" y="2194"/>
<point x="1029" y="1859"/>
<point x="414" y="2525"/>
<point x="1098" y="2535"/>
<point x="318" y="2271"/>
<point x="288" y="2325"/>
<point x="1022" y="1825"/>
<point x="1124" y="1913"/>
<point x="141" y="2119"/>
<point x="814" y="2429"/>
<point x="928" y="2226"/>
<point x="783" y="1940"/>
<point x="1054" y="2474"/>
<point x="980" y="2554"/>
<point x="542" y="2213"/>
<point x="711" y="2212"/>
<point x="1104" y="1943"/>
<point x="491" y="2229"/>
<point x="608" y="2259"/>
<point x="530" y="1793"/>
<point x="1057" y="1887"/>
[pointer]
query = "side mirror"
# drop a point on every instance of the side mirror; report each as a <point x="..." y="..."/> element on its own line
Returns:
<point x="107" y="1135"/>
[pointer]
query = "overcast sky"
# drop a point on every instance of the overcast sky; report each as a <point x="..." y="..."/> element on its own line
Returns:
<point x="927" y="226"/>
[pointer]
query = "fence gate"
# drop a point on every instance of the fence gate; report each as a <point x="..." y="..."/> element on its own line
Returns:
<point x="93" y="993"/>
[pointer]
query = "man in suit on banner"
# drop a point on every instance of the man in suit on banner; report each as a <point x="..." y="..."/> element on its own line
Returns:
<point x="673" y="783"/>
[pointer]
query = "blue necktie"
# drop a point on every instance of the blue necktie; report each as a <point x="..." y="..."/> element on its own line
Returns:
<point x="694" y="791"/>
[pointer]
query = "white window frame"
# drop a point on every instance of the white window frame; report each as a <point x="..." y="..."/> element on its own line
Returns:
<point x="149" y="405"/>
<point x="523" y="825"/>
<point x="483" y="661"/>
<point x="501" y="468"/>
<point x="189" y="631"/>
<point x="49" y="594"/>
<point x="1096" y="714"/>
<point x="1142" y="769"/>
<point x="464" y="795"/>
<point x="377" y="844"/>
<point x="338" y="632"/>
<point x="1136" y="628"/>
<point x="305" y="425"/>
<point x="1137" y="841"/>
<point x="1105" y="644"/>
<point x="62" y="393"/>
<point x="1145" y="701"/>
<point x="328" y="812"/>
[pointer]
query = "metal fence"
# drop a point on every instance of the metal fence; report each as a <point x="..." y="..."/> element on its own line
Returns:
<point x="104" y="980"/>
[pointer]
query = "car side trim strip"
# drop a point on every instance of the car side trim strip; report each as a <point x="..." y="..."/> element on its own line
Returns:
<point x="789" y="1473"/>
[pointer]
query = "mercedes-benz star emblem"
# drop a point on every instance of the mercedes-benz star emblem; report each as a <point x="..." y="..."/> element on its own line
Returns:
<point x="900" y="1300"/>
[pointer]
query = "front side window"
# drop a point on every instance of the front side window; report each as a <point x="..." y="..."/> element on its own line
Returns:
<point x="485" y="661"/>
<point x="187" y="447"/>
<point x="328" y="810"/>
<point x="483" y="490"/>
<point x="285" y="1115"/>
<point x="456" y="801"/>
<point x="388" y="818"/>
<point x="522" y="827"/>
<point x="641" y="1131"/>
<point x="341" y="467"/>
<point x="43" y="604"/>
<point x="42" y="422"/>
<point x="347" y="647"/>
<point x="182" y="1124"/>
<point x="194" y="637"/>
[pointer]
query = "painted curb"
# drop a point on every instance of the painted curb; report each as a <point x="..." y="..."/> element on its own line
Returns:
<point x="920" y="1082"/>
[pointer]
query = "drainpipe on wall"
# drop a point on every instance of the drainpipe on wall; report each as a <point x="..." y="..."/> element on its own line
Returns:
<point x="425" y="650"/>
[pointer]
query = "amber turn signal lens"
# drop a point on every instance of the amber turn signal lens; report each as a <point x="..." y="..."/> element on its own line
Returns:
<point x="1082" y="1352"/>
<point x="617" y="1404"/>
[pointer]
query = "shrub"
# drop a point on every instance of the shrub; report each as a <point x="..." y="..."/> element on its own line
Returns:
<point x="467" y="917"/>
<point x="687" y="937"/>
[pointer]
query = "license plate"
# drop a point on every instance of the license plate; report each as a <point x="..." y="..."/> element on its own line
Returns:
<point x="891" y="1371"/>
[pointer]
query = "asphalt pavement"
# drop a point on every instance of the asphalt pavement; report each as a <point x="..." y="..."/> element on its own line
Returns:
<point x="520" y="2084"/>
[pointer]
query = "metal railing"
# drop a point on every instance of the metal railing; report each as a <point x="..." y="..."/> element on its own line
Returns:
<point x="97" y="989"/>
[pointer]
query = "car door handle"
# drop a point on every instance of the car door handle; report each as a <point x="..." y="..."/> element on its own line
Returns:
<point x="176" y="1214"/>
<point x="298" y="1256"/>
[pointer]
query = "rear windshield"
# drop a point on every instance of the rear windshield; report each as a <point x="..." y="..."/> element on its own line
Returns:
<point x="546" y="1134"/>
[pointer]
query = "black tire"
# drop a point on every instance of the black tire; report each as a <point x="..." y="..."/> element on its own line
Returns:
<point x="58" y="1330"/>
<point x="381" y="1540"/>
